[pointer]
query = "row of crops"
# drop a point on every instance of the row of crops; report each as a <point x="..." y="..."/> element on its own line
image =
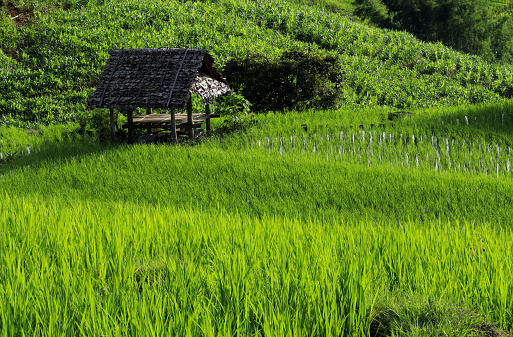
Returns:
<point x="278" y="166"/>
<point x="376" y="148"/>
<point x="48" y="69"/>
<point x="473" y="139"/>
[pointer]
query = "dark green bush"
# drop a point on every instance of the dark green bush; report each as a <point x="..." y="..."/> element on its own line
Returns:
<point x="96" y="122"/>
<point x="298" y="79"/>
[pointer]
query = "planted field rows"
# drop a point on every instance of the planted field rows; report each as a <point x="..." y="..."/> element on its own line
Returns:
<point x="49" y="68"/>
<point x="375" y="148"/>
<point x="409" y="145"/>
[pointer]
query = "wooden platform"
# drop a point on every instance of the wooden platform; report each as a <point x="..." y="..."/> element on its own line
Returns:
<point x="178" y="124"/>
<point x="163" y="120"/>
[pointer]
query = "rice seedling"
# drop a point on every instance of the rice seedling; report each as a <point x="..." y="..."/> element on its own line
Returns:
<point x="124" y="268"/>
<point x="301" y="225"/>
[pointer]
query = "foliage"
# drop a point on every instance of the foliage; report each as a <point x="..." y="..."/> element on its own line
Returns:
<point x="472" y="26"/>
<point x="285" y="216"/>
<point x="49" y="68"/>
<point x="232" y="104"/>
<point x="21" y="142"/>
<point x="234" y="124"/>
<point x="213" y="271"/>
<point x="96" y="122"/>
<point x="294" y="227"/>
<point x="296" y="80"/>
<point x="447" y="151"/>
<point x="235" y="109"/>
<point x="344" y="7"/>
<point x="408" y="314"/>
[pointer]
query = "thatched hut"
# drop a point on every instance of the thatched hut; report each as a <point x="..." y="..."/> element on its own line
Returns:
<point x="159" y="79"/>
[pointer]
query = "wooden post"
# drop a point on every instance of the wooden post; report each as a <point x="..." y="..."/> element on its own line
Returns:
<point x="130" y="118"/>
<point x="149" y="111"/>
<point x="207" y="122"/>
<point x="189" y="118"/>
<point x="112" y="127"/>
<point x="173" y="126"/>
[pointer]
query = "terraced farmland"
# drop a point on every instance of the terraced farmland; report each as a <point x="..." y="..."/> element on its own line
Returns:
<point x="387" y="216"/>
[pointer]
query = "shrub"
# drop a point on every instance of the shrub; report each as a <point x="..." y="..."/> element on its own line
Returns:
<point x="298" y="79"/>
<point x="233" y="104"/>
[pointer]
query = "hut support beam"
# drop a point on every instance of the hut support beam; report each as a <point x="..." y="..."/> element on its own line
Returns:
<point x="130" y="120"/>
<point x="207" y="122"/>
<point x="149" y="111"/>
<point x="189" y="118"/>
<point x="173" y="126"/>
<point x="112" y="127"/>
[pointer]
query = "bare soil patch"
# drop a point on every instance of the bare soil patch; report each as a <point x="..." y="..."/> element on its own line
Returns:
<point x="21" y="16"/>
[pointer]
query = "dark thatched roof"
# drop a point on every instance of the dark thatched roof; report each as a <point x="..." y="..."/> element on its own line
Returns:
<point x="157" y="78"/>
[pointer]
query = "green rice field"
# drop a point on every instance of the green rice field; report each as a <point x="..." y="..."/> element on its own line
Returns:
<point x="275" y="231"/>
<point x="388" y="215"/>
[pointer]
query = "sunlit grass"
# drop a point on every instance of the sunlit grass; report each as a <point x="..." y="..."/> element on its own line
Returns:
<point x="121" y="268"/>
<point x="227" y="237"/>
<point x="318" y="223"/>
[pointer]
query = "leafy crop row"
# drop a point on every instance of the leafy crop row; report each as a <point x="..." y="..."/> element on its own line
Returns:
<point x="50" y="67"/>
<point x="410" y="151"/>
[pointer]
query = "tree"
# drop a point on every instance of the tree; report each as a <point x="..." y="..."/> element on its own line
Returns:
<point x="470" y="26"/>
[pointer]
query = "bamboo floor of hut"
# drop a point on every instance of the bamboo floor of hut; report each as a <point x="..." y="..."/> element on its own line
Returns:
<point x="162" y="120"/>
<point x="178" y="124"/>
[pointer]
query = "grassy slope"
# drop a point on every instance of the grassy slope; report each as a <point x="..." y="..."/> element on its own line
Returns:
<point x="89" y="192"/>
<point x="49" y="68"/>
<point x="238" y="173"/>
<point x="201" y="216"/>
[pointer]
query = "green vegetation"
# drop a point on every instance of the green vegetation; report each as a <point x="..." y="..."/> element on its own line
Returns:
<point x="297" y="80"/>
<point x="80" y="268"/>
<point x="387" y="216"/>
<point x="50" y="66"/>
<point x="276" y="230"/>
<point x="408" y="162"/>
<point x="345" y="7"/>
<point x="478" y="27"/>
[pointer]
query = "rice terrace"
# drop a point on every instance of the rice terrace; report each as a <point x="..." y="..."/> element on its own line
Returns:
<point x="256" y="168"/>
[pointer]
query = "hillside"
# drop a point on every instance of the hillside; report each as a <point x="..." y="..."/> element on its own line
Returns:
<point x="51" y="60"/>
<point x="388" y="215"/>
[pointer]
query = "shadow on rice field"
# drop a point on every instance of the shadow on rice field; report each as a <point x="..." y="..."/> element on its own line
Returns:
<point x="413" y="314"/>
